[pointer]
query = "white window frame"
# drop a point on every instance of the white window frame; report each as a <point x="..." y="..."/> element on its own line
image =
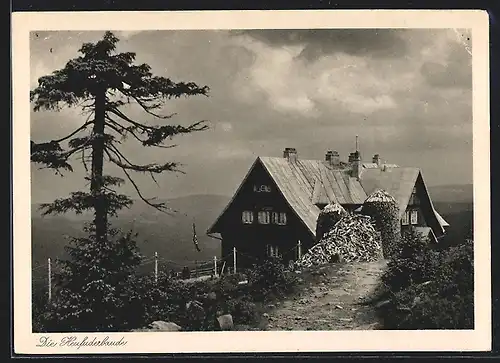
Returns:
<point x="405" y="220"/>
<point x="279" y="218"/>
<point x="264" y="217"/>
<point x="414" y="217"/>
<point x="247" y="217"/>
<point x="282" y="219"/>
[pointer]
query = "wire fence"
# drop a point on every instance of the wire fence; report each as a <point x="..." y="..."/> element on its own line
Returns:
<point x="185" y="270"/>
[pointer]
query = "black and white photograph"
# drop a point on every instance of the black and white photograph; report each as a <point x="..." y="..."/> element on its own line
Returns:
<point x="233" y="180"/>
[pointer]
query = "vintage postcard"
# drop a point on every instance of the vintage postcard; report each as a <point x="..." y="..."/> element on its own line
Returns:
<point x="251" y="181"/>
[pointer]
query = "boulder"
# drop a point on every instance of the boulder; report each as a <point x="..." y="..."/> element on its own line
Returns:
<point x="160" y="325"/>
<point x="225" y="322"/>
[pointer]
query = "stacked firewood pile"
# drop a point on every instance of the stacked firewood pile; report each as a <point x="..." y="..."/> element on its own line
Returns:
<point x="327" y="218"/>
<point x="384" y="211"/>
<point x="352" y="238"/>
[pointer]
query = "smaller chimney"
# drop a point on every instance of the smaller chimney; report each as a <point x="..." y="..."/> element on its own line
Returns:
<point x="290" y="153"/>
<point x="376" y="159"/>
<point x="356" y="164"/>
<point x="332" y="157"/>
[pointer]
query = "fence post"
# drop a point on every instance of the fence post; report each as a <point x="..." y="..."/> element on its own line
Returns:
<point x="215" y="266"/>
<point x="222" y="270"/>
<point x="156" y="267"/>
<point x="234" y="260"/>
<point x="299" y="249"/>
<point x="49" y="278"/>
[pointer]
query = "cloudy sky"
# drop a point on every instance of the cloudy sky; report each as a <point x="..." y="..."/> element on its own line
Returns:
<point x="406" y="93"/>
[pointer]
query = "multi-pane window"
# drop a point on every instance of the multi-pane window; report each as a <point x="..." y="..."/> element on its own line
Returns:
<point x="279" y="218"/>
<point x="272" y="251"/>
<point x="262" y="188"/>
<point x="264" y="217"/>
<point x="414" y="217"/>
<point x="247" y="217"/>
<point x="410" y="217"/>
<point x="406" y="219"/>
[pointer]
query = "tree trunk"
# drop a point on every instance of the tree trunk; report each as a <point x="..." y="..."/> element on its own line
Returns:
<point x="96" y="184"/>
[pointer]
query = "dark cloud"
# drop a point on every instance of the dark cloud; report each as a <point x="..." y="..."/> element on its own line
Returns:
<point x="377" y="43"/>
<point x="427" y="125"/>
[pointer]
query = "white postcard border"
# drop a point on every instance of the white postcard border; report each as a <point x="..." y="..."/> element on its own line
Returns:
<point x="479" y="339"/>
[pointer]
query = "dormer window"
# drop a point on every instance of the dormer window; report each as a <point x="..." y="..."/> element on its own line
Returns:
<point x="262" y="188"/>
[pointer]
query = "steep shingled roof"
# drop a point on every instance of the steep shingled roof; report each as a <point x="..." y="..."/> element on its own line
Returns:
<point x="307" y="183"/>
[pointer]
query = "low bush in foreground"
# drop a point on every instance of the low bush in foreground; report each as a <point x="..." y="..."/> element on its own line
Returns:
<point x="429" y="289"/>
<point x="193" y="306"/>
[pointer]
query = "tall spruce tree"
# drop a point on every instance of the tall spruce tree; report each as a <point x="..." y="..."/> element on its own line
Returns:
<point x="101" y="81"/>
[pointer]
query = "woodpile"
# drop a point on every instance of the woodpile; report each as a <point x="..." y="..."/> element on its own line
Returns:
<point x="384" y="211"/>
<point x="352" y="238"/>
<point x="327" y="218"/>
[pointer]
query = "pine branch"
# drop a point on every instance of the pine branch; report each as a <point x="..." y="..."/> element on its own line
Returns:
<point x="81" y="128"/>
<point x="79" y="202"/>
<point x="147" y="168"/>
<point x="124" y="129"/>
<point x="159" y="206"/>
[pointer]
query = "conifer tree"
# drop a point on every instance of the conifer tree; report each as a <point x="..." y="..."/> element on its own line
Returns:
<point x="101" y="81"/>
<point x="91" y="288"/>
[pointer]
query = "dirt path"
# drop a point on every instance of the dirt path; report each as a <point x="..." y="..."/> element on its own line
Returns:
<point x="330" y="300"/>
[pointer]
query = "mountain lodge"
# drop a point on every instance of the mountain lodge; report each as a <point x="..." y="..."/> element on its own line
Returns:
<point x="277" y="204"/>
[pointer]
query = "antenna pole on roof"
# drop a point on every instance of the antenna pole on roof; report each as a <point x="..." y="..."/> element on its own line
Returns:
<point x="356" y="142"/>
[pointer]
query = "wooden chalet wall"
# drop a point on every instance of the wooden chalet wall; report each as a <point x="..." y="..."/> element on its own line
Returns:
<point x="251" y="239"/>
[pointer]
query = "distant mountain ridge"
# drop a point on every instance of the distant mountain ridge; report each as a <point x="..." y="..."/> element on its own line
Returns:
<point x="168" y="234"/>
<point x="171" y="235"/>
<point x="452" y="193"/>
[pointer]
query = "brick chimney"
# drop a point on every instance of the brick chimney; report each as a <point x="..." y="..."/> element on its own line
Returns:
<point x="332" y="157"/>
<point x="290" y="153"/>
<point x="376" y="159"/>
<point x="356" y="164"/>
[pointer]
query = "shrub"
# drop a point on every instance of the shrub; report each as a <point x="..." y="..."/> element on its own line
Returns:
<point x="430" y="289"/>
<point x="414" y="262"/>
<point x="90" y="290"/>
<point x="270" y="280"/>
